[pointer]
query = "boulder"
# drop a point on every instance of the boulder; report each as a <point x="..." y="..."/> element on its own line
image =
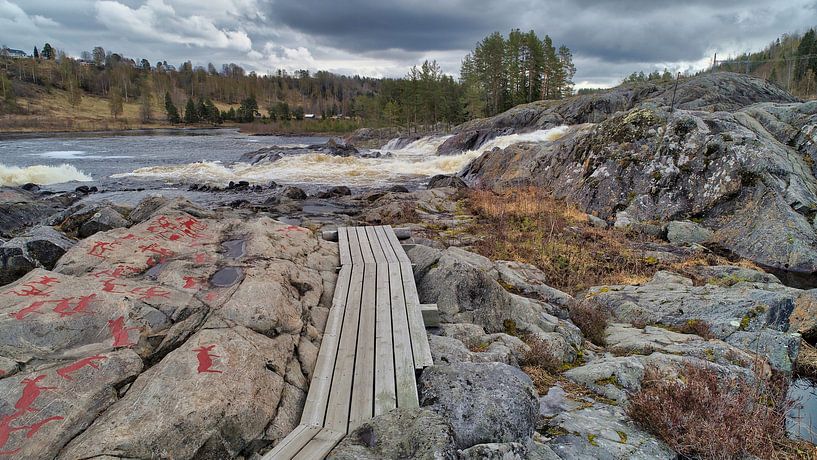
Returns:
<point x="334" y="192"/>
<point x="603" y="431"/>
<point x="484" y="402"/>
<point x="743" y="310"/>
<point x="293" y="193"/>
<point x="21" y="209"/>
<point x="211" y="407"/>
<point x="44" y="408"/>
<point x="146" y="208"/>
<point x="103" y="220"/>
<point x="687" y="233"/>
<point x="40" y="247"/>
<point x="442" y="180"/>
<point x="401" y="433"/>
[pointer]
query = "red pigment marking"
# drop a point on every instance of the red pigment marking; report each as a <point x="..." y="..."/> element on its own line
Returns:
<point x="201" y="258"/>
<point x="190" y="282"/>
<point x="291" y="228"/>
<point x="101" y="247"/>
<point x="66" y="371"/>
<point x="31" y="391"/>
<point x="29" y="291"/>
<point x="118" y="272"/>
<point x="64" y="305"/>
<point x="149" y="293"/>
<point x="110" y="285"/>
<point x="120" y="332"/>
<point x="206" y="359"/>
<point x="211" y="296"/>
<point x="45" y="280"/>
<point x="2" y="372"/>
<point x="156" y="249"/>
<point x="29" y="309"/>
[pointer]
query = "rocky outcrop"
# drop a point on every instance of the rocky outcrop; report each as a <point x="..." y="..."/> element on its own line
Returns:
<point x="22" y="208"/>
<point x="166" y="339"/>
<point x="708" y="92"/>
<point x="442" y="180"/>
<point x="40" y="247"/>
<point x="275" y="153"/>
<point x="744" y="172"/>
<point x="484" y="403"/>
<point x="101" y="221"/>
<point x="750" y="315"/>
<point x="402" y="433"/>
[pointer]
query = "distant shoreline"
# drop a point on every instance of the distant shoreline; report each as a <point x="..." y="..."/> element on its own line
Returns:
<point x="186" y="131"/>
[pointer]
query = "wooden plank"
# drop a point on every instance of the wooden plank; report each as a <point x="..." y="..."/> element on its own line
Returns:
<point x="354" y="246"/>
<point x="318" y="396"/>
<point x="431" y="314"/>
<point x="385" y="392"/>
<point x="406" y="386"/>
<point x="365" y="245"/>
<point x="343" y="247"/>
<point x="362" y="408"/>
<point x="385" y="244"/>
<point x="293" y="443"/>
<point x="320" y="446"/>
<point x="337" y="412"/>
<point x="395" y="243"/>
<point x="421" y="351"/>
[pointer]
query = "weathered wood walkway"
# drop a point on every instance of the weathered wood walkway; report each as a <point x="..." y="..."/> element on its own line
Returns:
<point x="374" y="341"/>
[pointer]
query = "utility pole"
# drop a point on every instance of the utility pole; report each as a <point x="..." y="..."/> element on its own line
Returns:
<point x="674" y="89"/>
<point x="714" y="62"/>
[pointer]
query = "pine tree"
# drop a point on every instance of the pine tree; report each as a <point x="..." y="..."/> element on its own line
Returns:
<point x="191" y="114"/>
<point x="170" y="110"/>
<point x="568" y="71"/>
<point x="48" y="52"/>
<point x="36" y="53"/>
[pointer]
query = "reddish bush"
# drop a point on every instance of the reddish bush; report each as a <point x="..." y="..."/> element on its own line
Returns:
<point x="592" y="319"/>
<point x="700" y="415"/>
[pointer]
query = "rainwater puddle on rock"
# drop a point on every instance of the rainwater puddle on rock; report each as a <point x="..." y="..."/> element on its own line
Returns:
<point x="154" y="271"/>
<point x="801" y="421"/>
<point x="226" y="277"/>
<point x="233" y="249"/>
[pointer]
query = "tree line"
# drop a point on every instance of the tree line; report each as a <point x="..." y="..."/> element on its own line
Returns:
<point x="503" y="72"/>
<point x="790" y="61"/>
<point x="496" y="75"/>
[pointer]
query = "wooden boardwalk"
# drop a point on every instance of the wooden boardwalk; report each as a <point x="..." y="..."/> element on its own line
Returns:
<point x="374" y="341"/>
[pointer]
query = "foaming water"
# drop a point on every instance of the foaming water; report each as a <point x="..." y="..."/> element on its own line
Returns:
<point x="415" y="160"/>
<point x="41" y="174"/>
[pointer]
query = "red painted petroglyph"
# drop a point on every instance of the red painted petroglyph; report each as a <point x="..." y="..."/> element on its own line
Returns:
<point x="45" y="280"/>
<point x="101" y="247"/>
<point x="31" y="391"/>
<point x="29" y="291"/>
<point x="121" y="333"/>
<point x="65" y="372"/>
<point x="25" y="404"/>
<point x="189" y="227"/>
<point x="206" y="359"/>
<point x="150" y="293"/>
<point x="191" y="282"/>
<point x="211" y="296"/>
<point x="291" y="228"/>
<point x="66" y="308"/>
<point x="20" y="315"/>
<point x="110" y="285"/>
<point x="118" y="272"/>
<point x="201" y="258"/>
<point x="156" y="249"/>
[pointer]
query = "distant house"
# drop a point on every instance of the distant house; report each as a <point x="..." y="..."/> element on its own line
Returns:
<point x="13" y="53"/>
<point x="309" y="116"/>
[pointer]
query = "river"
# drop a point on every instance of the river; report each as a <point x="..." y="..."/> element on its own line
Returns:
<point x="212" y="157"/>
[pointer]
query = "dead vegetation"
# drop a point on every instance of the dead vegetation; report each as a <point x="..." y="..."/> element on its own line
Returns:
<point x="701" y="415"/>
<point x="527" y="224"/>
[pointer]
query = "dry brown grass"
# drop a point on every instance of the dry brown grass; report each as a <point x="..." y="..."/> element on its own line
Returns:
<point x="700" y="415"/>
<point x="592" y="319"/>
<point x="527" y="224"/>
<point x="540" y="355"/>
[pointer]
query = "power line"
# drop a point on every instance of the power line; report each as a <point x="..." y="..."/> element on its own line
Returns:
<point x="743" y="61"/>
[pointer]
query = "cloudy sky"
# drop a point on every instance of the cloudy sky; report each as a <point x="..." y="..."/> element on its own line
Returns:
<point x="609" y="38"/>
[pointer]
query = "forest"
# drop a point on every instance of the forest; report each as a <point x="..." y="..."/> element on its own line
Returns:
<point x="498" y="74"/>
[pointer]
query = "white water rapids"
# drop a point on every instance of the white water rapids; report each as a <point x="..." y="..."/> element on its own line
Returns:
<point x="415" y="160"/>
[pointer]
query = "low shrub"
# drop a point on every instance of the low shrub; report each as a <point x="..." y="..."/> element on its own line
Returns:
<point x="702" y="415"/>
<point x="540" y="355"/>
<point x="592" y="319"/>
<point x="697" y="327"/>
